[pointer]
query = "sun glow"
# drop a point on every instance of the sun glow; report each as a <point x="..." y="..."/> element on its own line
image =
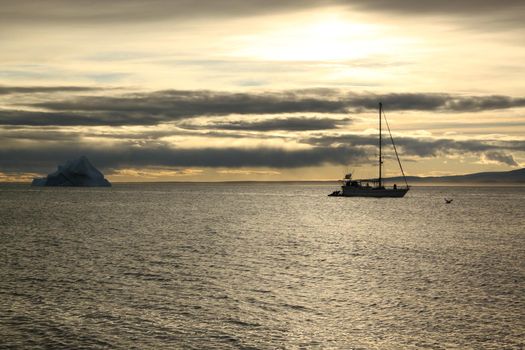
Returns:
<point x="329" y="38"/>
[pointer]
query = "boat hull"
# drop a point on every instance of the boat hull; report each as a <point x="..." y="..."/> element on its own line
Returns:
<point x="373" y="192"/>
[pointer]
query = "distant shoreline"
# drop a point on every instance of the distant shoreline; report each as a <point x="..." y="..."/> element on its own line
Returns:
<point x="512" y="178"/>
<point x="303" y="182"/>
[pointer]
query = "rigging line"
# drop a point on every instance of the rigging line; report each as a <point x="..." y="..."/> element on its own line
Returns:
<point x="395" y="149"/>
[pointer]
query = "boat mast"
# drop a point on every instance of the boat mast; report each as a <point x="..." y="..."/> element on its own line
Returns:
<point x="380" y="158"/>
<point x="395" y="150"/>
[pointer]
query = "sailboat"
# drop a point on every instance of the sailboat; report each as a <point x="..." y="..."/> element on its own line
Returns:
<point x="374" y="187"/>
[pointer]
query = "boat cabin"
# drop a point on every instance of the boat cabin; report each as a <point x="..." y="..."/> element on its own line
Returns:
<point x="362" y="183"/>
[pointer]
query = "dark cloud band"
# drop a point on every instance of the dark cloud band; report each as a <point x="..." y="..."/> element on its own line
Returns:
<point x="421" y="147"/>
<point x="174" y="105"/>
<point x="99" y="11"/>
<point x="40" y="155"/>
<point x="285" y="124"/>
<point x="41" y="158"/>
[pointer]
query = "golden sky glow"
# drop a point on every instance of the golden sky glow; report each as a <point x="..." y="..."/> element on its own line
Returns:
<point x="253" y="90"/>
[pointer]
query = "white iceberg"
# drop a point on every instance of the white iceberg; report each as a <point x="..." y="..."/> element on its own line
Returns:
<point x="79" y="173"/>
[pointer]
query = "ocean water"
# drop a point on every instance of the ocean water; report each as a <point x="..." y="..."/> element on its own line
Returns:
<point x="260" y="266"/>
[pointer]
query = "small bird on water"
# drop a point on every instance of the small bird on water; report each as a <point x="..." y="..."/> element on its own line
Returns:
<point x="448" y="201"/>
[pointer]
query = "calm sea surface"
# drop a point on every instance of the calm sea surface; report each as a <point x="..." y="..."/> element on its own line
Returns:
<point x="260" y="266"/>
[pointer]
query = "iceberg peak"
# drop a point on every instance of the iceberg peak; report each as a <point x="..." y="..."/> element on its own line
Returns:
<point x="78" y="173"/>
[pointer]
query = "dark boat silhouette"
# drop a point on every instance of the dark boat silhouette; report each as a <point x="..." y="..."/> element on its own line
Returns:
<point x="373" y="187"/>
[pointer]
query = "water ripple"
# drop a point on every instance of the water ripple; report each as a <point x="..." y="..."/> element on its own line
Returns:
<point x="260" y="266"/>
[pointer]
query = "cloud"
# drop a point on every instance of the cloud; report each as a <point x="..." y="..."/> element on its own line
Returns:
<point x="499" y="157"/>
<point x="14" y="134"/>
<point x="186" y="104"/>
<point x="124" y="11"/>
<point x="154" y="173"/>
<point x="9" y="90"/>
<point x="28" y="150"/>
<point x="437" y="147"/>
<point x="438" y="102"/>
<point x="43" y="157"/>
<point x="99" y="11"/>
<point x="433" y="148"/>
<point x="172" y="105"/>
<point x="448" y="7"/>
<point x="479" y="15"/>
<point x="17" y="176"/>
<point x="248" y="172"/>
<point x="288" y="124"/>
<point x="420" y="147"/>
<point x="71" y="118"/>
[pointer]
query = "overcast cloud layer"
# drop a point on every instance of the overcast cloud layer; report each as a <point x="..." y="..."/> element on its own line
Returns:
<point x="288" y="85"/>
<point x="337" y="150"/>
<point x="137" y="10"/>
<point x="30" y="149"/>
<point x="173" y="105"/>
<point x="130" y="155"/>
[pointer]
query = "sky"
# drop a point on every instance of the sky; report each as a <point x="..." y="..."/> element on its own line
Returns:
<point x="234" y="90"/>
